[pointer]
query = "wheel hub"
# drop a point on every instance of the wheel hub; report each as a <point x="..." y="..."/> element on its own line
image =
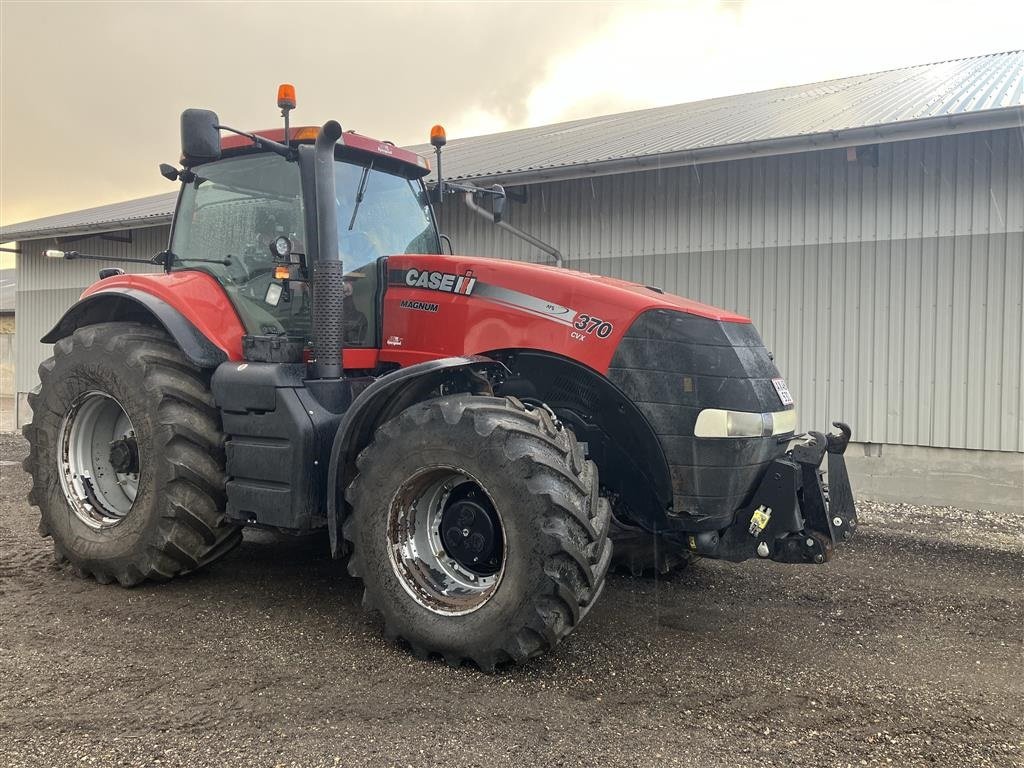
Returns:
<point x="445" y="540"/>
<point x="471" y="534"/>
<point x="98" y="463"/>
<point x="124" y="455"/>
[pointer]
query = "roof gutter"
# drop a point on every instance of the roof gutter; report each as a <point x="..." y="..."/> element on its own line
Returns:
<point x="971" y="122"/>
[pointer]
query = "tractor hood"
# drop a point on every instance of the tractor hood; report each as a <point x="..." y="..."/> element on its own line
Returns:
<point x="471" y="305"/>
<point x="671" y="358"/>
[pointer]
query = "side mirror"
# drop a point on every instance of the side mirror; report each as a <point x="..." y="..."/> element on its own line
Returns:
<point x="498" y="205"/>
<point x="200" y="137"/>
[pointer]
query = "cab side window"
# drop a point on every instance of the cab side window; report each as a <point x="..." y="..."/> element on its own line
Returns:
<point x="229" y="217"/>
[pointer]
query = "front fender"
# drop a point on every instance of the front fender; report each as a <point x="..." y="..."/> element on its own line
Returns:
<point x="131" y="304"/>
<point x="385" y="398"/>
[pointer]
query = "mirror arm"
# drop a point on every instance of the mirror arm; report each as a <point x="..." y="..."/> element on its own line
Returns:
<point x="453" y="187"/>
<point x="263" y="143"/>
<point x="72" y="255"/>
<point x="467" y="198"/>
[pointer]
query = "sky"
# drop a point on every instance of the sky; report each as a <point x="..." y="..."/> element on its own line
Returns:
<point x="91" y="92"/>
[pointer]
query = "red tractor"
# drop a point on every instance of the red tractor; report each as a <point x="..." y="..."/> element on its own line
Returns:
<point x="481" y="438"/>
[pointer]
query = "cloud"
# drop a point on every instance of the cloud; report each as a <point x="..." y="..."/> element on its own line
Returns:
<point x="657" y="54"/>
<point x="90" y="92"/>
<point x="477" y="121"/>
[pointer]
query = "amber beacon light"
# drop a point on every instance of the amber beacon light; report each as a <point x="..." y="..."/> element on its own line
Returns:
<point x="286" y="96"/>
<point x="437" y="136"/>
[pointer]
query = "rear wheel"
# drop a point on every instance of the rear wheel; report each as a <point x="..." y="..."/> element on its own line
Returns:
<point x="477" y="529"/>
<point x="126" y="458"/>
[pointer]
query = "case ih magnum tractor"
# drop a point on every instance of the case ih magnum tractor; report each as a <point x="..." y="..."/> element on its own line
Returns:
<point x="481" y="438"/>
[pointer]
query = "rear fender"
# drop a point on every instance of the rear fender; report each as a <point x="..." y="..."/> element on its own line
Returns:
<point x="133" y="305"/>
<point x="387" y="397"/>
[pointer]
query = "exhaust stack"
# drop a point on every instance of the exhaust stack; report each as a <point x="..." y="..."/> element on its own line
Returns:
<point x="328" y="289"/>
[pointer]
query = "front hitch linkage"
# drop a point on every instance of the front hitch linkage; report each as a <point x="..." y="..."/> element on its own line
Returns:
<point x="794" y="517"/>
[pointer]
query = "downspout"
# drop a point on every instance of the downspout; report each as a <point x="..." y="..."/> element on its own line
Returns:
<point x="553" y="252"/>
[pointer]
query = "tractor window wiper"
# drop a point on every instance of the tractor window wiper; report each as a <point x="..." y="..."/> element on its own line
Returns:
<point x="360" y="191"/>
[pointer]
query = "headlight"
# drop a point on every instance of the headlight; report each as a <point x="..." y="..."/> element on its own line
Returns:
<point x="714" y="422"/>
<point x="784" y="422"/>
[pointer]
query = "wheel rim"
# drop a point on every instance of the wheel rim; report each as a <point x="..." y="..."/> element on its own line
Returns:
<point x="446" y="541"/>
<point x="99" y="460"/>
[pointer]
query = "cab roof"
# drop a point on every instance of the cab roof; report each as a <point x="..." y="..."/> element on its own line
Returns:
<point x="413" y="165"/>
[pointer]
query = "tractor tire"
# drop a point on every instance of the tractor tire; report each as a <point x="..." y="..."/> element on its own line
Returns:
<point x="461" y="477"/>
<point x="126" y="457"/>
<point x="642" y="553"/>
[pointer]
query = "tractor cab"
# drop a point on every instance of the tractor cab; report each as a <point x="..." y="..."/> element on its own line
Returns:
<point x="247" y="219"/>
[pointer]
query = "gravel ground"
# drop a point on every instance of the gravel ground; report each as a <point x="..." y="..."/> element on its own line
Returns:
<point x="904" y="651"/>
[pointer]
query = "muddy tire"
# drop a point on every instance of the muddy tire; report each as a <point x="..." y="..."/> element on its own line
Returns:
<point x="126" y="457"/>
<point x="641" y="553"/>
<point x="478" y="531"/>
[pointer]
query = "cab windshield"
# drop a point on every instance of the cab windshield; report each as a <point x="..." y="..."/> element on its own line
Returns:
<point x="231" y="214"/>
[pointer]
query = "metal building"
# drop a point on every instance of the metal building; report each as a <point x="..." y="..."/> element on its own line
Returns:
<point x="7" y="325"/>
<point x="872" y="227"/>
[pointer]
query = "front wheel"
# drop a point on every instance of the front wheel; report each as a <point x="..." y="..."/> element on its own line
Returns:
<point x="477" y="528"/>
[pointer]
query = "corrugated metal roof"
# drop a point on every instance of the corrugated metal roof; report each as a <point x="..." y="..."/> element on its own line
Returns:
<point x="927" y="91"/>
<point x="977" y="86"/>
<point x="104" y="218"/>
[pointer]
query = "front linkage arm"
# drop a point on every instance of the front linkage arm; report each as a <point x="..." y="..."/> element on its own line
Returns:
<point x="793" y="517"/>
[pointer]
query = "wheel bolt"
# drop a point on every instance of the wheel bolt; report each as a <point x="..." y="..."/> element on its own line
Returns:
<point x="465" y="532"/>
<point x="837" y="522"/>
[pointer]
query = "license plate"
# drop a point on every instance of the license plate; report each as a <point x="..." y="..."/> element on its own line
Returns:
<point x="783" y="390"/>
